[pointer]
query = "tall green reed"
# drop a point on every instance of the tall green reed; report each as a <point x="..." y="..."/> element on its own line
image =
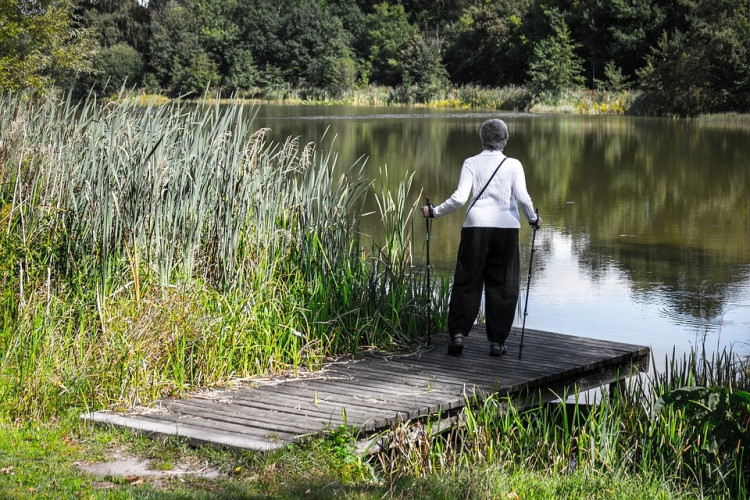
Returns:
<point x="175" y="246"/>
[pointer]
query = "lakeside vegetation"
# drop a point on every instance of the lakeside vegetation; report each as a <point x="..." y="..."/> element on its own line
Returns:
<point x="200" y="253"/>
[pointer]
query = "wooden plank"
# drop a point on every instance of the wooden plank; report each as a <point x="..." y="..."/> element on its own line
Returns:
<point x="288" y="415"/>
<point x="351" y="404"/>
<point x="488" y="372"/>
<point x="324" y="412"/>
<point x="195" y="436"/>
<point x="429" y="400"/>
<point x="467" y="380"/>
<point x="351" y="399"/>
<point x="376" y="379"/>
<point x="260" y="420"/>
<point x="369" y="418"/>
<point x="214" y="426"/>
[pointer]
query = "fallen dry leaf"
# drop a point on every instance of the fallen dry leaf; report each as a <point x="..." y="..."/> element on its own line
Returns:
<point x="134" y="480"/>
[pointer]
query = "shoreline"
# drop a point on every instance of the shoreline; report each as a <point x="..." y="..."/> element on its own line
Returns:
<point x="589" y="103"/>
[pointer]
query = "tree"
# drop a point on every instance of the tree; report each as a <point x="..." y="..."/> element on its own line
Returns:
<point x="422" y="66"/>
<point x="115" y="66"/>
<point x="197" y="75"/>
<point x="703" y="64"/>
<point x="388" y="34"/>
<point x="40" y="46"/>
<point x="614" y="80"/>
<point x="555" y="67"/>
<point x="177" y="56"/>
<point x="315" y="44"/>
<point x="243" y="73"/>
<point x="116" y="22"/>
<point x="488" y="45"/>
<point x="617" y="31"/>
<point x="218" y="32"/>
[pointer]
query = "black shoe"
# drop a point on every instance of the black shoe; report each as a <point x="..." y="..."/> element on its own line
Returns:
<point x="456" y="344"/>
<point x="497" y="349"/>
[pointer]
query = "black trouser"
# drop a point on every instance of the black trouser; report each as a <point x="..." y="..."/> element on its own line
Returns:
<point x="487" y="257"/>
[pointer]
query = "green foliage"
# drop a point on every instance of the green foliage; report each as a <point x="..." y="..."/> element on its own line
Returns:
<point x="315" y="44"/>
<point x="400" y="55"/>
<point x="702" y="65"/>
<point x="614" y="80"/>
<point x="40" y="46"/>
<point x="555" y="67"/>
<point x="340" y="446"/>
<point x="388" y="34"/>
<point x="115" y="22"/>
<point x="117" y="65"/>
<point x="683" y="58"/>
<point x="616" y="32"/>
<point x="197" y="76"/>
<point x="243" y="74"/>
<point x="343" y="76"/>
<point x="422" y="67"/>
<point x="488" y="45"/>
<point x="717" y="422"/>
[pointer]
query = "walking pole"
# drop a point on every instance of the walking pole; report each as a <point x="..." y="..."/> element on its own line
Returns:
<point x="528" y="283"/>
<point x="428" y="224"/>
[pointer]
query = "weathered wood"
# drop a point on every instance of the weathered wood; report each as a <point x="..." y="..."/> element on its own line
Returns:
<point x="195" y="436"/>
<point x="263" y="421"/>
<point x="375" y="392"/>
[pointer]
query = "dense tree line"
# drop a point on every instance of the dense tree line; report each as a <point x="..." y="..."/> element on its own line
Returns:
<point x="684" y="56"/>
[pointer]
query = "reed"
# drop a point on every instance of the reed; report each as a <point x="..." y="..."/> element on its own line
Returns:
<point x="148" y="249"/>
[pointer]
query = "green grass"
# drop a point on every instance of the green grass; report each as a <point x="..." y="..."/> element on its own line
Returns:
<point x="43" y="462"/>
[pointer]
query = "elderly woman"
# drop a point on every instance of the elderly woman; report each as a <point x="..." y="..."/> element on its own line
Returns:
<point x="488" y="254"/>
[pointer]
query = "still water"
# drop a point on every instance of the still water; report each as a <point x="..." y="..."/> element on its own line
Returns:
<point x="646" y="236"/>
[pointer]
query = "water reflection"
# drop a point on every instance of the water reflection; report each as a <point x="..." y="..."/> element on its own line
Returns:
<point x="647" y="231"/>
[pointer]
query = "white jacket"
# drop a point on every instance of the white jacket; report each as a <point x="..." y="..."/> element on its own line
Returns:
<point x="498" y="206"/>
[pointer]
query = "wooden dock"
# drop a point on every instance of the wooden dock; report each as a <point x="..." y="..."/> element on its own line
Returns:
<point x="375" y="392"/>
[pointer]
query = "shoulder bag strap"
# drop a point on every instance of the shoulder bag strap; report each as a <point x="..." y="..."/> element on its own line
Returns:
<point x="485" y="186"/>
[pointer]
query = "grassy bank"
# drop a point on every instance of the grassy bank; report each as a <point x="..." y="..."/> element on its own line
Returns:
<point x="512" y="98"/>
<point x="506" y="99"/>
<point x="149" y="250"/>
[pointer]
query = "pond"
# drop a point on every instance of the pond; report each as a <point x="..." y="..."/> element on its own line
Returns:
<point x="646" y="236"/>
